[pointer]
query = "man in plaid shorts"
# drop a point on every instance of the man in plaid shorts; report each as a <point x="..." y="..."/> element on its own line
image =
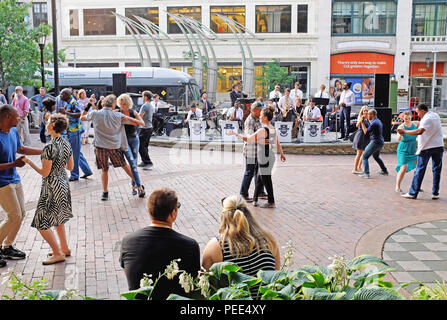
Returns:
<point x="110" y="142"/>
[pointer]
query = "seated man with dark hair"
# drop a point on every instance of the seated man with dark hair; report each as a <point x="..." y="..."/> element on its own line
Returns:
<point x="150" y="250"/>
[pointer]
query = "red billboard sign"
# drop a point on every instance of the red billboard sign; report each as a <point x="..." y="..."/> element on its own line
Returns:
<point x="362" y="63"/>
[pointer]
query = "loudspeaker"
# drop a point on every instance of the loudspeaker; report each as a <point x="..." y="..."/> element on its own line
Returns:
<point x="385" y="115"/>
<point x="119" y="83"/>
<point x="382" y="90"/>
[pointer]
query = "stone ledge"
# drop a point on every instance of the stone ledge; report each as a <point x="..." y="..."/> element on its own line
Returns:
<point x="340" y="148"/>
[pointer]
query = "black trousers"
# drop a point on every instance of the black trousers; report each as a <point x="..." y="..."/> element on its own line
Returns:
<point x="264" y="179"/>
<point x="145" y="138"/>
<point x="345" y="116"/>
<point x="251" y="171"/>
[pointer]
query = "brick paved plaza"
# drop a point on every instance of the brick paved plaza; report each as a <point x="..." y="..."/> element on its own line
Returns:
<point x="321" y="207"/>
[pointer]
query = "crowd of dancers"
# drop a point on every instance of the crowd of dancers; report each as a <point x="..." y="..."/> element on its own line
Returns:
<point x="122" y="133"/>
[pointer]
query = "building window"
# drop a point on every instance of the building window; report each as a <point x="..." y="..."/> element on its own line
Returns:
<point x="99" y="22"/>
<point x="150" y="14"/>
<point x="74" y="22"/>
<point x="227" y="76"/>
<point x="192" y="12"/>
<point x="273" y="19"/>
<point x="40" y="13"/>
<point x="430" y="19"/>
<point x="235" y="13"/>
<point x="367" y="18"/>
<point x="302" y="18"/>
<point x="300" y="74"/>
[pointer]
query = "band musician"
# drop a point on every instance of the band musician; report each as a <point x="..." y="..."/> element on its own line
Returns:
<point x="194" y="113"/>
<point x="236" y="113"/>
<point x="312" y="113"/>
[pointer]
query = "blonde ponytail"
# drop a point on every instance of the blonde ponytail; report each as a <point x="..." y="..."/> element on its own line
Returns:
<point x="240" y="230"/>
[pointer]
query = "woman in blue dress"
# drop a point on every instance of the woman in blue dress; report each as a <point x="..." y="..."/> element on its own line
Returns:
<point x="406" y="151"/>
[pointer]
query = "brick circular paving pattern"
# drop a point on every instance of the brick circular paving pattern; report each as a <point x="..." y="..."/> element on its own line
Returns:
<point x="418" y="252"/>
<point x="322" y="208"/>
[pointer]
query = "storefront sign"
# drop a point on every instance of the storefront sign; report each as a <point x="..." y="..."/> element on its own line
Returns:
<point x="362" y="63"/>
<point x="419" y="69"/>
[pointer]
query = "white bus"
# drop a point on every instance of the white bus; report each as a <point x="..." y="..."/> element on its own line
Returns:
<point x="173" y="86"/>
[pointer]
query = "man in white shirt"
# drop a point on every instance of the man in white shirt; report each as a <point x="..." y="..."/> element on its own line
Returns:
<point x="285" y="101"/>
<point x="347" y="100"/>
<point x="276" y="93"/>
<point x="296" y="93"/>
<point x="156" y="102"/>
<point x="194" y="113"/>
<point x="235" y="113"/>
<point x="430" y="145"/>
<point x="322" y="93"/>
<point x="312" y="113"/>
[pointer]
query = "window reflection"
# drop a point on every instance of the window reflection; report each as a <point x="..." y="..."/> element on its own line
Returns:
<point x="430" y="19"/>
<point x="74" y="22"/>
<point x="192" y="12"/>
<point x="273" y="19"/>
<point x="302" y="18"/>
<point x="364" y="17"/>
<point x="235" y="13"/>
<point x="40" y="14"/>
<point x="150" y="14"/>
<point x="227" y="76"/>
<point x="99" y="22"/>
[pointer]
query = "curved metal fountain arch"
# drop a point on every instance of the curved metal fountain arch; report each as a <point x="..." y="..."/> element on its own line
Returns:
<point x="211" y="83"/>
<point x="154" y="30"/>
<point x="197" y="64"/>
<point x="248" y="67"/>
<point x="129" y="24"/>
<point x="191" y="29"/>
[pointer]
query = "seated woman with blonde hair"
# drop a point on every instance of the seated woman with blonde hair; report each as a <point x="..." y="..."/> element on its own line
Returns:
<point x="241" y="241"/>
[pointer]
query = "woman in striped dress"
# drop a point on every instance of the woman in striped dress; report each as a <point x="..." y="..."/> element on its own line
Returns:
<point x="54" y="206"/>
<point x="242" y="241"/>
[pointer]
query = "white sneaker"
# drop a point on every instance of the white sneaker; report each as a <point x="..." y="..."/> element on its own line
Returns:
<point x="435" y="196"/>
<point x="408" y="196"/>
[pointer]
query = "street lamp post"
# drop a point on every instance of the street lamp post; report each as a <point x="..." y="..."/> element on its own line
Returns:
<point x="41" y="41"/>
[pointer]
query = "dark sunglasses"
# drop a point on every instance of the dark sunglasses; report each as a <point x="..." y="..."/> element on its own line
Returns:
<point x="179" y="205"/>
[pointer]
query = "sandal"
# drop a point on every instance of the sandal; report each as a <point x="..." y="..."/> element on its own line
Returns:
<point x="67" y="254"/>
<point x="53" y="260"/>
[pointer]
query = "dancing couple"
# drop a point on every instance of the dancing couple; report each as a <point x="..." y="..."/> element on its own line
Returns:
<point x="266" y="139"/>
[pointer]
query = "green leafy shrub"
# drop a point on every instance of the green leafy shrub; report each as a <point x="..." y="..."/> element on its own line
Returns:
<point x="362" y="278"/>
<point x="424" y="292"/>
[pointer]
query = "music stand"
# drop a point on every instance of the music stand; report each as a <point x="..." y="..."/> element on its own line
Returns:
<point x="322" y="102"/>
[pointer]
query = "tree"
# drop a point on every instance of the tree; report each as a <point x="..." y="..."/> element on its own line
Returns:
<point x="272" y="74"/>
<point x="19" y="50"/>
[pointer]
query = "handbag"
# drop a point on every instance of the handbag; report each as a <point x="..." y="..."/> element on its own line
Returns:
<point x="352" y="135"/>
